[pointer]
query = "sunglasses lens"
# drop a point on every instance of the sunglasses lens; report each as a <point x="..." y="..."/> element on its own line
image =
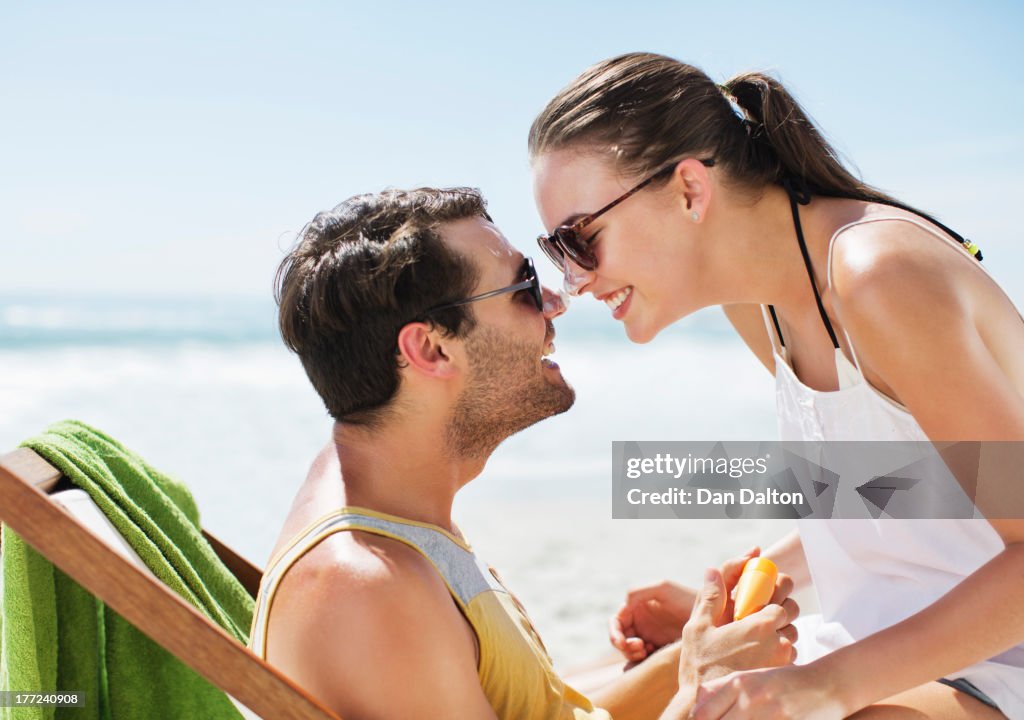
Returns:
<point x="574" y="248"/>
<point x="535" y="290"/>
<point x="552" y="251"/>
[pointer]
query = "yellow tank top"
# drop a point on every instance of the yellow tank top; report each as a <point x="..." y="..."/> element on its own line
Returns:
<point x="515" y="671"/>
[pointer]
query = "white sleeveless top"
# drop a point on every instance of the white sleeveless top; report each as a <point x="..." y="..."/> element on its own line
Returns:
<point x="871" y="574"/>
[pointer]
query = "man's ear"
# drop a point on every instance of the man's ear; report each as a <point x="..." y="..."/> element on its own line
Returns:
<point x="425" y="350"/>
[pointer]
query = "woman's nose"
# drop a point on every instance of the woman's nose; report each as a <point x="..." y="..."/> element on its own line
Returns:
<point x="575" y="278"/>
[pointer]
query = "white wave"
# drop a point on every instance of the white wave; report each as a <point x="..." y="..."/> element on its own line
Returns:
<point x="240" y="424"/>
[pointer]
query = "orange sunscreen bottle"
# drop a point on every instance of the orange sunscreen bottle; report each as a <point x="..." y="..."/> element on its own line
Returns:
<point x="756" y="586"/>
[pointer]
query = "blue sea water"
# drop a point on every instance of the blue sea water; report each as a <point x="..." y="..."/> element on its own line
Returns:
<point x="205" y="390"/>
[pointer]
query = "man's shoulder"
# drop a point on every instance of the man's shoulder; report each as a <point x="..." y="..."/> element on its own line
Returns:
<point x="359" y="609"/>
<point x="359" y="572"/>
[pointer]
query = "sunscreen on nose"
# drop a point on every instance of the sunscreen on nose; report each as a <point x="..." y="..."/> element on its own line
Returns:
<point x="756" y="586"/>
<point x="556" y="302"/>
<point x="573" y="278"/>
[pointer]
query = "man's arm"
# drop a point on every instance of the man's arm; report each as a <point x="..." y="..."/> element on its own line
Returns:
<point x="643" y="691"/>
<point x="376" y="635"/>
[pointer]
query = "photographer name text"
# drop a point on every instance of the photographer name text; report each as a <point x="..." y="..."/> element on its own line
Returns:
<point x="703" y="496"/>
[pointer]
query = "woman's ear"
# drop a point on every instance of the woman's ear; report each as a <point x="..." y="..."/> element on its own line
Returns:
<point x="694" y="187"/>
<point x="424" y="349"/>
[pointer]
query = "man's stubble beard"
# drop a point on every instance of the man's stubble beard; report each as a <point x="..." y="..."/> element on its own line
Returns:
<point x="507" y="392"/>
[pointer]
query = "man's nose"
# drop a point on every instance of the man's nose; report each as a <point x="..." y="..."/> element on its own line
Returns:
<point x="555" y="303"/>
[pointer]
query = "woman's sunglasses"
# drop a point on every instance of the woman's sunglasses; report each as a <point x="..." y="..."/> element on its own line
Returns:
<point x="565" y="241"/>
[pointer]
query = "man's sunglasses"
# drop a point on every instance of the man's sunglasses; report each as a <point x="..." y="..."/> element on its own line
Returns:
<point x="529" y="282"/>
<point x="565" y="241"/>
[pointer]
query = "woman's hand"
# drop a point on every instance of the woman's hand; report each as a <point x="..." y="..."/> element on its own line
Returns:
<point x="712" y="648"/>
<point x="653" y="616"/>
<point x="776" y="694"/>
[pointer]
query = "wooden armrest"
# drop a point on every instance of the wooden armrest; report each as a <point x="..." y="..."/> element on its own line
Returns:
<point x="140" y="598"/>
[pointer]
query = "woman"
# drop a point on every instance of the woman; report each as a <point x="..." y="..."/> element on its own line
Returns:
<point x="665" y="193"/>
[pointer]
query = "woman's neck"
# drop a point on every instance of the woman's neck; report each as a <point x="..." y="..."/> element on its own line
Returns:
<point x="755" y="257"/>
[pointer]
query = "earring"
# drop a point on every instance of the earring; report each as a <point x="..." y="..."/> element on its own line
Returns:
<point x="695" y="215"/>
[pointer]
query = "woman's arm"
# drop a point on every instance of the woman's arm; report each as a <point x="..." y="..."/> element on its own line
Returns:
<point x="919" y="323"/>
<point x="788" y="554"/>
<point x="914" y="324"/>
<point x="979" y="618"/>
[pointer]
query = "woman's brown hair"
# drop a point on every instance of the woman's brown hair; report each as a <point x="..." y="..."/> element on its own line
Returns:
<point x="648" y="110"/>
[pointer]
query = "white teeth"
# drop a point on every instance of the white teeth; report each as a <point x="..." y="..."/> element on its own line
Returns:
<point x="618" y="298"/>
<point x="548" y="350"/>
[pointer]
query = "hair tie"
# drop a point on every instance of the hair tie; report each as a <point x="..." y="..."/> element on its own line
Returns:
<point x="738" y="111"/>
<point x="753" y="128"/>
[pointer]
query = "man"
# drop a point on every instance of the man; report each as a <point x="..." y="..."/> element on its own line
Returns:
<point x="426" y="334"/>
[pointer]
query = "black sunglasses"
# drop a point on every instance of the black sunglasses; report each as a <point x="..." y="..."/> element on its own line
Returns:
<point x="529" y="282"/>
<point x="565" y="241"/>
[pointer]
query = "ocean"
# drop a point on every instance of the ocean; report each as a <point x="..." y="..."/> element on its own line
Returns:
<point x="205" y="390"/>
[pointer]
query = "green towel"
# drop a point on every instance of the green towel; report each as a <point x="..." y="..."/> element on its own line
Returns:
<point x="56" y="636"/>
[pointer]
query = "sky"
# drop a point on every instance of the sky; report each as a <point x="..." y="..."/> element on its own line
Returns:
<point x="178" y="150"/>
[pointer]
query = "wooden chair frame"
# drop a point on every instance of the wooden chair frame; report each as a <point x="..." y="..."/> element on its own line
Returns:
<point x="26" y="480"/>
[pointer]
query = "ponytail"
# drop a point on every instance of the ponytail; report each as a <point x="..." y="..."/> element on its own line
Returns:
<point x="785" y="144"/>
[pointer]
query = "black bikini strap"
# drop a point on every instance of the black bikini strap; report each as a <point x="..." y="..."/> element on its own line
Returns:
<point x="775" y="319"/>
<point x="799" y="197"/>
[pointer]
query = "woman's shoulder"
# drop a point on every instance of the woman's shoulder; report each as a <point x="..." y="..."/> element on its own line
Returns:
<point x="888" y="254"/>
<point x="930" y="326"/>
<point x="897" y="281"/>
<point x="898" y="288"/>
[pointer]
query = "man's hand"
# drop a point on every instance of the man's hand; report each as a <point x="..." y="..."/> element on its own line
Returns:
<point x="713" y="647"/>
<point x="653" y="616"/>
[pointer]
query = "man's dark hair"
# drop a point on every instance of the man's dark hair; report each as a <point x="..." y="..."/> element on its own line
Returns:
<point x="357" y="275"/>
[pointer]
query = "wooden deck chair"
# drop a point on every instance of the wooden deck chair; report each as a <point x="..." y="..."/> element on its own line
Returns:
<point x="64" y="537"/>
